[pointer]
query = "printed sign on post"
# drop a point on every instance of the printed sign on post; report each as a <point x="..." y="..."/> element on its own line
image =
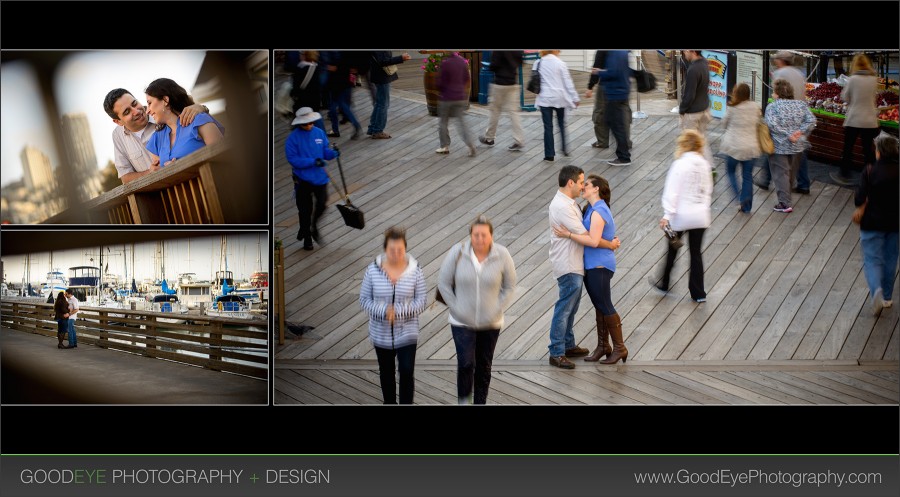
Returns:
<point x="718" y="77"/>
<point x="750" y="71"/>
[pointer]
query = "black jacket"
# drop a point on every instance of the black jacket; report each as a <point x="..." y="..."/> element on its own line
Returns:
<point x="880" y="186"/>
<point x="505" y="65"/>
<point x="696" y="88"/>
<point x="380" y="59"/>
<point x="311" y="96"/>
<point x="599" y="63"/>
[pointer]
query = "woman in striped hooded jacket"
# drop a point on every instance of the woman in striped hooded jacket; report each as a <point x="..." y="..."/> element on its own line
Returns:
<point x="393" y="295"/>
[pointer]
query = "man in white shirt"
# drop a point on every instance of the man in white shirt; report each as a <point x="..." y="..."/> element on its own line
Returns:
<point x="134" y="130"/>
<point x="567" y="264"/>
<point x="73" y="313"/>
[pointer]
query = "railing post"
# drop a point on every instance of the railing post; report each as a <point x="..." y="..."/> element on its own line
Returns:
<point x="279" y="290"/>
<point x="216" y="334"/>
<point x="151" y="336"/>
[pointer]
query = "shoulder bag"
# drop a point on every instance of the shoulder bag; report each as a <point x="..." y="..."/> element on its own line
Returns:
<point x="534" y="84"/>
<point x="765" y="138"/>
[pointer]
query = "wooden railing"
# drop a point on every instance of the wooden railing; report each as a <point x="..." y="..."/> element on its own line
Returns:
<point x="212" y="343"/>
<point x="197" y="189"/>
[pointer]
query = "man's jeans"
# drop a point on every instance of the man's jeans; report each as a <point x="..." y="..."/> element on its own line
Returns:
<point x="378" y="121"/>
<point x="880" y="252"/>
<point x="73" y="340"/>
<point x="561" y="335"/>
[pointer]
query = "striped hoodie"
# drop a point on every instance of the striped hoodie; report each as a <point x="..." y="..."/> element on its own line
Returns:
<point x="408" y="297"/>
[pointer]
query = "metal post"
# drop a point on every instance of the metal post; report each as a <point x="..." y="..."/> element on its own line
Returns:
<point x="638" y="114"/>
<point x="677" y="72"/>
<point x="753" y="85"/>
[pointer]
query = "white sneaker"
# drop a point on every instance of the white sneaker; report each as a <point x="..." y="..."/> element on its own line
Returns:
<point x="888" y="303"/>
<point x="443" y="150"/>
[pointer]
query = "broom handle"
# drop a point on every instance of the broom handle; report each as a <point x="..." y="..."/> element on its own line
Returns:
<point x="341" y="170"/>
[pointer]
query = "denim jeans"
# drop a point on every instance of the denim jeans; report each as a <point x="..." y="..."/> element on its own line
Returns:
<point x="561" y="335"/>
<point x="474" y="354"/>
<point x="547" y="117"/>
<point x="597" y="282"/>
<point x="406" y="362"/>
<point x="880" y="252"/>
<point x="342" y="101"/>
<point x="378" y="121"/>
<point x="745" y="192"/>
<point x="73" y="339"/>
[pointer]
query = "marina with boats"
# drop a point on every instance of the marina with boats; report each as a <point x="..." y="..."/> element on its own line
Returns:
<point x="186" y="296"/>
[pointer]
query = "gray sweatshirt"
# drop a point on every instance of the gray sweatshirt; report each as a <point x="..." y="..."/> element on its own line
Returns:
<point x="480" y="297"/>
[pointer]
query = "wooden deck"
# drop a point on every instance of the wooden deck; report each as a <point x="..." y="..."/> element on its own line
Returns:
<point x="787" y="320"/>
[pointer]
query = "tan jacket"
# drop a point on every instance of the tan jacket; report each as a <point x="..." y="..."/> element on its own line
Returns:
<point x="860" y="94"/>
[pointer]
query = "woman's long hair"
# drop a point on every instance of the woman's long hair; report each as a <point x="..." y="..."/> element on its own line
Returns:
<point x="740" y="93"/>
<point x="861" y="63"/>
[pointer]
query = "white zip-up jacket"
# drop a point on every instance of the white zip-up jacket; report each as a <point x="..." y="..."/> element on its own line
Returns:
<point x="408" y="297"/>
<point x="687" y="197"/>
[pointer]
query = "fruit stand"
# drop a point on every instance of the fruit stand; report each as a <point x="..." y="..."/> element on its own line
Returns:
<point x="827" y="140"/>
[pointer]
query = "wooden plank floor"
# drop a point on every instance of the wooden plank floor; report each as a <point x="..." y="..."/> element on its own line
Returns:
<point x="787" y="313"/>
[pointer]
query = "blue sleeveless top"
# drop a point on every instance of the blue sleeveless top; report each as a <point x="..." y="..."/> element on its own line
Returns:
<point x="594" y="256"/>
<point x="187" y="139"/>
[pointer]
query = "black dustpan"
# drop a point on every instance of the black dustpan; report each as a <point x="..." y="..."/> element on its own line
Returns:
<point x="353" y="217"/>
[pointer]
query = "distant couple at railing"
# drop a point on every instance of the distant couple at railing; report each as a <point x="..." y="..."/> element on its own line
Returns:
<point x="178" y="128"/>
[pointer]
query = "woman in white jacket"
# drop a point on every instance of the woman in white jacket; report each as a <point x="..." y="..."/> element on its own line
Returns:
<point x="557" y="93"/>
<point x="477" y="281"/>
<point x="393" y="295"/>
<point x="686" y="202"/>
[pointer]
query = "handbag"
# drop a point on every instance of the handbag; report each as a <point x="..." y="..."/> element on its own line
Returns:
<point x="646" y="81"/>
<point x="534" y="84"/>
<point x="390" y="70"/>
<point x="437" y="292"/>
<point x="765" y="138"/>
<point x="353" y="217"/>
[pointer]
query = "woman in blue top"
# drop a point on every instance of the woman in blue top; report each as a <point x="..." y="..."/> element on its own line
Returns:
<point x="600" y="263"/>
<point x="165" y="102"/>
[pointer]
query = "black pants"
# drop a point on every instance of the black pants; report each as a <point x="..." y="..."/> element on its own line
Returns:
<point x="309" y="213"/>
<point x="474" y="356"/>
<point x="406" y="359"/>
<point x="597" y="282"/>
<point x="695" y="283"/>
<point x="618" y="124"/>
<point x="868" y="145"/>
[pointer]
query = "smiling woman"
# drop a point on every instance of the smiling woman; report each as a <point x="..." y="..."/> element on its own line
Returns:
<point x="166" y="101"/>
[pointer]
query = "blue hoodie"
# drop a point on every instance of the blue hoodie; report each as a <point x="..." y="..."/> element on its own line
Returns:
<point x="303" y="148"/>
<point x="616" y="78"/>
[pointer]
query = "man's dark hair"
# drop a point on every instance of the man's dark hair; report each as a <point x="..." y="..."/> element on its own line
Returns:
<point x="111" y="99"/>
<point x="569" y="173"/>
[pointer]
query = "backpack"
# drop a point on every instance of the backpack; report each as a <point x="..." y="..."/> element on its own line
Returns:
<point x="646" y="81"/>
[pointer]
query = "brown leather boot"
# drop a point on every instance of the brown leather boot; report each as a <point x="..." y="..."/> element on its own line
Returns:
<point x="614" y="326"/>
<point x="603" y="346"/>
<point x="60" y="345"/>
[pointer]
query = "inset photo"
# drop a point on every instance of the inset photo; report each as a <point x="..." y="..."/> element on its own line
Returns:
<point x="149" y="317"/>
<point x="135" y="137"/>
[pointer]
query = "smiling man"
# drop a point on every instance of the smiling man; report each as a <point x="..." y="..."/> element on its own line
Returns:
<point x="134" y="130"/>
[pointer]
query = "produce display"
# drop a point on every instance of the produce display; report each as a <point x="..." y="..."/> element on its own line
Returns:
<point x="827" y="97"/>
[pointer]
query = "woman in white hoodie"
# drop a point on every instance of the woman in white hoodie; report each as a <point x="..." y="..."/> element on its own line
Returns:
<point x="393" y="295"/>
<point x="557" y="94"/>
<point x="686" y="202"/>
<point x="477" y="281"/>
